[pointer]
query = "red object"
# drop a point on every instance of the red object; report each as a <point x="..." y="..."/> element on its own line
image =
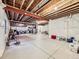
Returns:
<point x="53" y="36"/>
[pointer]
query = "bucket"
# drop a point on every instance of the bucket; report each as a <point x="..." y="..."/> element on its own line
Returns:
<point x="53" y="37"/>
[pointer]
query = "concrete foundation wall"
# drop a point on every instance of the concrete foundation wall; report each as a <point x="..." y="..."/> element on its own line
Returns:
<point x="66" y="26"/>
<point x="4" y="30"/>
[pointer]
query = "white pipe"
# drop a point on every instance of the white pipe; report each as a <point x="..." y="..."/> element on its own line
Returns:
<point x="30" y="4"/>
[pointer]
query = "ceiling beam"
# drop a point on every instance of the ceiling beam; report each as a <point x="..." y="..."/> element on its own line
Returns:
<point x="14" y="3"/>
<point x="21" y="17"/>
<point x="7" y="13"/>
<point x="21" y="8"/>
<point x="25" y="18"/>
<point x="16" y="16"/>
<point x="40" y="5"/>
<point x="34" y="4"/>
<point x="71" y="9"/>
<point x="29" y="19"/>
<point x="22" y="4"/>
<point x="58" y="6"/>
<point x="65" y="13"/>
<point x="5" y="1"/>
<point x="19" y="22"/>
<point x="12" y="9"/>
<point x="50" y="3"/>
<point x="12" y="13"/>
<point x="31" y="2"/>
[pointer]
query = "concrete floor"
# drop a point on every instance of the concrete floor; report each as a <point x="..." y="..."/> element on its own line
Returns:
<point x="39" y="47"/>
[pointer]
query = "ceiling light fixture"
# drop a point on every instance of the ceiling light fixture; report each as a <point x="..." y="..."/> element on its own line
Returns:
<point x="25" y="13"/>
<point x="56" y="8"/>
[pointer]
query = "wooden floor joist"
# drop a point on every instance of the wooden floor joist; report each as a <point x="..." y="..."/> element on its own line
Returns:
<point x="12" y="9"/>
<point x="71" y="9"/>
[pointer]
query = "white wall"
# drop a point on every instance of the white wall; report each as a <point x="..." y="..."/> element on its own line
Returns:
<point x="45" y="27"/>
<point x="42" y="28"/>
<point x="58" y="27"/>
<point x="74" y="26"/>
<point x="3" y="36"/>
<point x="65" y="26"/>
<point x="39" y="28"/>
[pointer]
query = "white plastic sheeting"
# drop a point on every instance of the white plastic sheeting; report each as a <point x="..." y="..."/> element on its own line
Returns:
<point x="4" y="28"/>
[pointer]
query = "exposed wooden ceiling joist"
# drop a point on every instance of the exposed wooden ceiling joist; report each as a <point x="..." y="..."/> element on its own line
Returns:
<point x="12" y="9"/>
<point x="20" y="17"/>
<point x="14" y="3"/>
<point x="19" y="22"/>
<point x="4" y="1"/>
<point x="31" y="2"/>
<point x="40" y="5"/>
<point x="22" y="4"/>
<point x="17" y="14"/>
<point x="54" y="8"/>
<point x="25" y="18"/>
<point x="29" y="19"/>
<point x="50" y="3"/>
<point x="7" y="13"/>
<point x="12" y="14"/>
<point x="34" y="4"/>
<point x="71" y="9"/>
<point x="21" y="8"/>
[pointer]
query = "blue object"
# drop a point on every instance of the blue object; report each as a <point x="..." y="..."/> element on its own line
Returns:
<point x="71" y="39"/>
